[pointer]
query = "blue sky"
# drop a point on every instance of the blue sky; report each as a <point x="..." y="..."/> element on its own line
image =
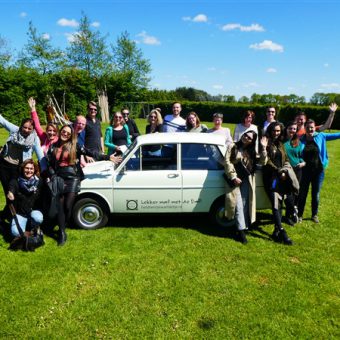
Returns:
<point x="220" y="46"/>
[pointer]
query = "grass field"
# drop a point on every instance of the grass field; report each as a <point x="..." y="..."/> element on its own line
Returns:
<point x="179" y="277"/>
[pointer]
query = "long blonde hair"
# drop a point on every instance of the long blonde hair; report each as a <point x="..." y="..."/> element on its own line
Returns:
<point x="70" y="146"/>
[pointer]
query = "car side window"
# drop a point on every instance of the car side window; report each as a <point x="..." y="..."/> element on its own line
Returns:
<point x="201" y="157"/>
<point x="165" y="160"/>
<point x="145" y="160"/>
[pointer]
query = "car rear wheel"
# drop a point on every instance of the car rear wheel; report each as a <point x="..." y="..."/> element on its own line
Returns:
<point x="90" y="214"/>
<point x="217" y="216"/>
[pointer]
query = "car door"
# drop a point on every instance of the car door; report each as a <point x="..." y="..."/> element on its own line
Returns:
<point x="148" y="184"/>
<point x="202" y="169"/>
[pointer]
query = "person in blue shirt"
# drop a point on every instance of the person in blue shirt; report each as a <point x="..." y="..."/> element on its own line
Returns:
<point x="316" y="158"/>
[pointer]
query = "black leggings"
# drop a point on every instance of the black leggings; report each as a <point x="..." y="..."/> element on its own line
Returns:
<point x="65" y="203"/>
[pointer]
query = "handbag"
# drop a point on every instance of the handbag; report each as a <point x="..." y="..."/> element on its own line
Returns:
<point x="28" y="240"/>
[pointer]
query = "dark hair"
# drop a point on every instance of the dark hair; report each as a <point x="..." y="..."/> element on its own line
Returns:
<point x="310" y="121"/>
<point x="250" y="149"/>
<point x="270" y="129"/>
<point x="295" y="139"/>
<point x="29" y="161"/>
<point x="248" y="113"/>
<point x="218" y="115"/>
<point x="27" y="120"/>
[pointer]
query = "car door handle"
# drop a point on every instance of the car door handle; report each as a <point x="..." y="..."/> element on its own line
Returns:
<point x="173" y="175"/>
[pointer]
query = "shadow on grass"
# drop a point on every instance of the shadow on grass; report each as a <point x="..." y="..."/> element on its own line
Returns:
<point x="198" y="222"/>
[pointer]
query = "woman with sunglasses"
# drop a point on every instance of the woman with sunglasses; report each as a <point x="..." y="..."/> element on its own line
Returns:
<point x="46" y="138"/>
<point x="279" y="180"/>
<point x="63" y="157"/>
<point x="117" y="135"/>
<point x="240" y="167"/>
<point x="155" y="125"/>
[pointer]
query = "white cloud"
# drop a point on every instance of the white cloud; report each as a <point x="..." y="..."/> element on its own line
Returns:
<point x="23" y="15"/>
<point x="148" y="39"/>
<point x="95" y="24"/>
<point x="331" y="86"/>
<point x="271" y="70"/>
<point x="71" y="36"/>
<point x="46" y="36"/>
<point x="197" y="18"/>
<point x="200" y="18"/>
<point x="67" y="23"/>
<point x="217" y="87"/>
<point x="251" y="84"/>
<point x="251" y="28"/>
<point x="267" y="45"/>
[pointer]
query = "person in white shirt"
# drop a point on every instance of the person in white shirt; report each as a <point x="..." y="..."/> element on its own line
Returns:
<point x="173" y="123"/>
<point x="218" y="129"/>
<point x="270" y="118"/>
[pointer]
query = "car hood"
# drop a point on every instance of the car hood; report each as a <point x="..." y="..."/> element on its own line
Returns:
<point x="98" y="167"/>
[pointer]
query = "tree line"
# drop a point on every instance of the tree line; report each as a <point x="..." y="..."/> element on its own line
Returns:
<point x="89" y="66"/>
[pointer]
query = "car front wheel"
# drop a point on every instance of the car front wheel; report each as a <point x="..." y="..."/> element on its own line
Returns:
<point x="217" y="216"/>
<point x="90" y="214"/>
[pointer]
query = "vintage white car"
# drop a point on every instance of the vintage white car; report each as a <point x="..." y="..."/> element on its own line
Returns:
<point x="189" y="180"/>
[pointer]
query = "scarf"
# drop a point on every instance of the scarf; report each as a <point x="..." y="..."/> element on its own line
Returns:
<point x="29" y="186"/>
<point x="18" y="139"/>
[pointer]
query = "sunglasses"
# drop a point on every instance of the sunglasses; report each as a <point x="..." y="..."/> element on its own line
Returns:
<point x="65" y="133"/>
<point x="118" y="117"/>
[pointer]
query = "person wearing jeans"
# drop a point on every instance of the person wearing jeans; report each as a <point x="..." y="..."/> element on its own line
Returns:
<point x="316" y="158"/>
<point x="23" y="194"/>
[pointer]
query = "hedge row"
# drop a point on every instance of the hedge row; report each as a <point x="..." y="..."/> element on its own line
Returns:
<point x="233" y="112"/>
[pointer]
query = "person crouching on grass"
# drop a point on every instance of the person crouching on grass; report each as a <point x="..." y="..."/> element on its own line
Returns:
<point x="24" y="193"/>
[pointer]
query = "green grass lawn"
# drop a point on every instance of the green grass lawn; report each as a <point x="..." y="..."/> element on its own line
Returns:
<point x="179" y="277"/>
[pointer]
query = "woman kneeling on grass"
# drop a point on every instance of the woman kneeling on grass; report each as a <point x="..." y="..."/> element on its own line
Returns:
<point x="316" y="158"/>
<point x="24" y="193"/>
<point x="240" y="167"/>
<point x="63" y="158"/>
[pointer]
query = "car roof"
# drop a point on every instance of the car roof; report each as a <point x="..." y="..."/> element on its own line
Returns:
<point x="181" y="137"/>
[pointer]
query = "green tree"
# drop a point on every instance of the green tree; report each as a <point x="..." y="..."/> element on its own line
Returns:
<point x="88" y="50"/>
<point x="5" y="53"/>
<point x="128" y="60"/>
<point x="39" y="54"/>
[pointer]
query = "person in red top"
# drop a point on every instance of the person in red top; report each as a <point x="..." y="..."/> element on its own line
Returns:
<point x="46" y="138"/>
<point x="301" y="119"/>
<point x="63" y="157"/>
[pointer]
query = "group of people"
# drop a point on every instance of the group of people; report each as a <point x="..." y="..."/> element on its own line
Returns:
<point x="60" y="153"/>
<point x="292" y="158"/>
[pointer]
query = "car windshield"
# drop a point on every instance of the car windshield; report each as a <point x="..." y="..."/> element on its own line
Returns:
<point x="128" y="151"/>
